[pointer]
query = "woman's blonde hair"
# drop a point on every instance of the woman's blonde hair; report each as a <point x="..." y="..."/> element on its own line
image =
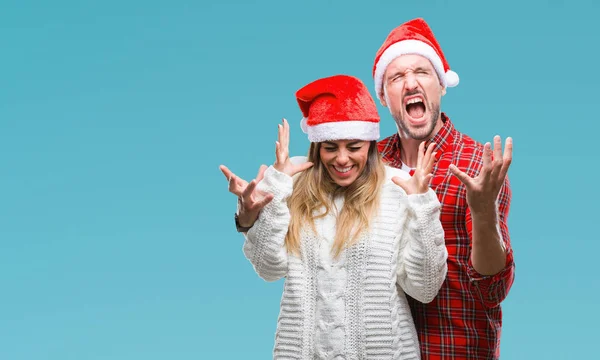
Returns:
<point x="315" y="189"/>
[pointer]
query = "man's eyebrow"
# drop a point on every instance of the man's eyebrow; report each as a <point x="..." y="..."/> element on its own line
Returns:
<point x="394" y="73"/>
<point x="401" y="72"/>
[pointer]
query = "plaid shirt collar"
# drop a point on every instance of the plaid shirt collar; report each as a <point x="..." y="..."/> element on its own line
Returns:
<point x="443" y="140"/>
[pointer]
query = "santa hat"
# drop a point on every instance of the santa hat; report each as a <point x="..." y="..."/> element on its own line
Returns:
<point x="412" y="37"/>
<point x="338" y="108"/>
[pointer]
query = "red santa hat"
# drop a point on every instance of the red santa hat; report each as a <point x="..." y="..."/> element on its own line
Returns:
<point x="412" y="37"/>
<point x="338" y="108"/>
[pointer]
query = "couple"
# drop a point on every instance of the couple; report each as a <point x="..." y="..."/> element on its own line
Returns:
<point x="398" y="249"/>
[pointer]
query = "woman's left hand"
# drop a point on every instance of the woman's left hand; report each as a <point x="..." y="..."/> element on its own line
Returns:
<point x="419" y="182"/>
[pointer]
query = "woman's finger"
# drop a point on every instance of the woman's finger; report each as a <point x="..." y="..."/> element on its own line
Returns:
<point x="420" y="154"/>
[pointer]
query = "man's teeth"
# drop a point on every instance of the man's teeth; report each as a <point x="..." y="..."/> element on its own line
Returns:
<point x="414" y="101"/>
<point x="343" y="170"/>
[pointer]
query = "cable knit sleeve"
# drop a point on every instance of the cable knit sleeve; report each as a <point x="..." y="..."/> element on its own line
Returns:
<point x="264" y="245"/>
<point x="422" y="265"/>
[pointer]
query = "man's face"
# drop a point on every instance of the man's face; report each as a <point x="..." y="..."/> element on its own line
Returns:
<point x="413" y="93"/>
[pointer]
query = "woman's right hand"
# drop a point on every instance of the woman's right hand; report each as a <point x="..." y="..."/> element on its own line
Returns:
<point x="282" y="154"/>
<point x="250" y="200"/>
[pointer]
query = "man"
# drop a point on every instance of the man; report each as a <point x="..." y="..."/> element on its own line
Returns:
<point x="464" y="321"/>
<point x="411" y="75"/>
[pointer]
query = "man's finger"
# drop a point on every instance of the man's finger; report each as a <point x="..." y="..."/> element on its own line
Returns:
<point x="487" y="159"/>
<point x="497" y="158"/>
<point x="508" y="148"/>
<point x="497" y="148"/>
<point x="463" y="177"/>
<point x="507" y="158"/>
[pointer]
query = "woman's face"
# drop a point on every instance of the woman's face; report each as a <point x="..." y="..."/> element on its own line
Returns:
<point x="344" y="159"/>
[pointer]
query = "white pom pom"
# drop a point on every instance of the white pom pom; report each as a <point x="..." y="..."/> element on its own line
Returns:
<point x="451" y="78"/>
<point x="303" y="125"/>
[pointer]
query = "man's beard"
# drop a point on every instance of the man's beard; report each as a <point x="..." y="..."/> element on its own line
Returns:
<point x="419" y="134"/>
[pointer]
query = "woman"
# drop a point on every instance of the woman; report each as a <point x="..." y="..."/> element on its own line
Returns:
<point x="350" y="235"/>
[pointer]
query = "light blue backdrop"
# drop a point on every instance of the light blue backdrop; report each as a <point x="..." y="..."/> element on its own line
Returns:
<point x="116" y="227"/>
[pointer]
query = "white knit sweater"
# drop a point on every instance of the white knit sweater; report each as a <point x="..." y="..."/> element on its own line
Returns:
<point x="352" y="307"/>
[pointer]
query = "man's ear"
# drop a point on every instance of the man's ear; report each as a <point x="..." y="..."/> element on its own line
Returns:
<point x="382" y="98"/>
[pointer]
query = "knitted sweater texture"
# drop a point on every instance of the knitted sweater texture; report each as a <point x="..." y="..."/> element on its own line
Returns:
<point x="354" y="306"/>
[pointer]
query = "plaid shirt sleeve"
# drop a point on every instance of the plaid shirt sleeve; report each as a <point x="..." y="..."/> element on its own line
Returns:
<point x="493" y="289"/>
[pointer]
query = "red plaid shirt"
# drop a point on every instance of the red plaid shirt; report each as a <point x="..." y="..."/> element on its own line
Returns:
<point x="464" y="321"/>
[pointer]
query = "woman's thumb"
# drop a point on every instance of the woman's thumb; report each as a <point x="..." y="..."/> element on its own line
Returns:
<point x="400" y="182"/>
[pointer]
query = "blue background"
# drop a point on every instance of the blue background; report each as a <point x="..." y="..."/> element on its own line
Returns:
<point x="116" y="227"/>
